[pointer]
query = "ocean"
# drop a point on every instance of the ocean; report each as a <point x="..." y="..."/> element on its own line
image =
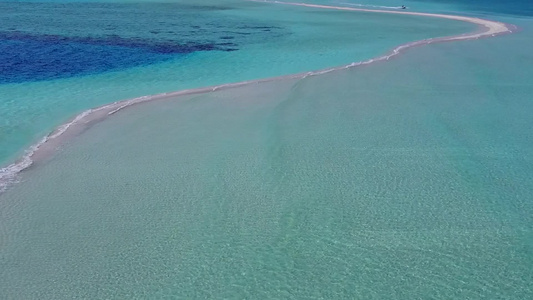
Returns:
<point x="77" y="56"/>
<point x="399" y="179"/>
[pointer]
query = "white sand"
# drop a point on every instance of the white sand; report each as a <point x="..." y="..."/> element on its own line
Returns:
<point x="491" y="27"/>
<point x="48" y="144"/>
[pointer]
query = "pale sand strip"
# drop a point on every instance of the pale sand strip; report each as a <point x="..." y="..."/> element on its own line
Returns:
<point x="49" y="143"/>
<point x="492" y="27"/>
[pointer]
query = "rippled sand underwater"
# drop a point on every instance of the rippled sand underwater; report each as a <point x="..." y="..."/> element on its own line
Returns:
<point x="404" y="179"/>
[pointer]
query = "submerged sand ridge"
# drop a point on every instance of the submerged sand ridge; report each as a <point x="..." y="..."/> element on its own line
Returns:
<point x="48" y="144"/>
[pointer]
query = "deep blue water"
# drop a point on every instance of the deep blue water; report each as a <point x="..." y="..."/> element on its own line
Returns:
<point x="508" y="7"/>
<point x="43" y="41"/>
<point x="30" y="60"/>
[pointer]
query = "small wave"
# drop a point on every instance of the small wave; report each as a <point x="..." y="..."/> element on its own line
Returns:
<point x="8" y="175"/>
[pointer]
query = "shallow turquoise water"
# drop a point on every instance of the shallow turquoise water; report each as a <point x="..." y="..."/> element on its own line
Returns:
<point x="300" y="40"/>
<point x="407" y="179"/>
<point x="398" y="180"/>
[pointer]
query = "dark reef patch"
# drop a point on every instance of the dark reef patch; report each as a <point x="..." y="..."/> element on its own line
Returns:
<point x="150" y="45"/>
<point x="42" y="41"/>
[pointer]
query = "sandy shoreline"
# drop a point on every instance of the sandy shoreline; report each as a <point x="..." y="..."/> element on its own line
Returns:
<point x="493" y="27"/>
<point x="47" y="145"/>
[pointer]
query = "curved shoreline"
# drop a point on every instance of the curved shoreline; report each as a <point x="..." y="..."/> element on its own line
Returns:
<point x="48" y="144"/>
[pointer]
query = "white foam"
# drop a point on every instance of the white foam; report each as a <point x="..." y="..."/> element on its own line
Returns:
<point x="8" y="175"/>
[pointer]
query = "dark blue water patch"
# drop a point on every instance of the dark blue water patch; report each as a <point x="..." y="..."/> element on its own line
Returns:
<point x="30" y="60"/>
<point x="41" y="41"/>
<point x="26" y="57"/>
<point x="151" y="45"/>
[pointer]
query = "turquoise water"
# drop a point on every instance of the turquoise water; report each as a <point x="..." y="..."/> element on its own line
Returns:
<point x="126" y="55"/>
<point x="405" y="179"/>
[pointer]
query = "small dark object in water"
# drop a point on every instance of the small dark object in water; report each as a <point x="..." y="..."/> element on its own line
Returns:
<point x="403" y="7"/>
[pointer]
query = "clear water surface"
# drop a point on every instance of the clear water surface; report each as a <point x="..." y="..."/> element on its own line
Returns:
<point x="408" y="179"/>
<point x="60" y="58"/>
